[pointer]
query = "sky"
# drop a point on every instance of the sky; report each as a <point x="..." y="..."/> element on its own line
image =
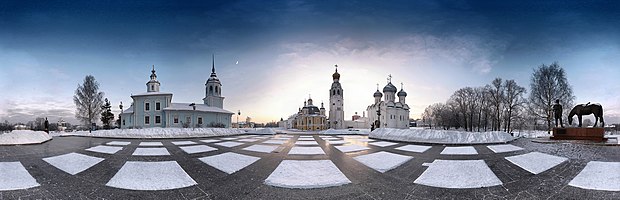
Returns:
<point x="273" y="55"/>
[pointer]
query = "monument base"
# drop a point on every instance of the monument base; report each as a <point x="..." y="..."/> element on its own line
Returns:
<point x="594" y="134"/>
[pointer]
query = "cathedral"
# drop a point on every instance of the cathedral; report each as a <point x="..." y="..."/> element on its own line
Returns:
<point x="310" y="117"/>
<point x="155" y="108"/>
<point x="389" y="113"/>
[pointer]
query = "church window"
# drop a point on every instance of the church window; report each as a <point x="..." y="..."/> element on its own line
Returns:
<point x="123" y="122"/>
<point x="147" y="120"/>
<point x="147" y="106"/>
<point x="217" y="90"/>
<point x="157" y="119"/>
<point x="199" y="120"/>
<point x="338" y="92"/>
<point x="333" y="92"/>
<point x="176" y="119"/>
<point x="210" y="89"/>
<point x="188" y="120"/>
<point x="157" y="106"/>
<point x="152" y="87"/>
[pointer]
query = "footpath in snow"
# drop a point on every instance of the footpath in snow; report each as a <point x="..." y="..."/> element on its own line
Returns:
<point x="158" y="133"/>
<point x="24" y="137"/>
<point x="440" y="136"/>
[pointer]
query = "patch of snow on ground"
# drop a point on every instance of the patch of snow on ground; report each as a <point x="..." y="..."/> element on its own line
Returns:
<point x="536" y="162"/>
<point x="414" y="148"/>
<point x="382" y="161"/>
<point x="330" y="138"/>
<point x="151" y="144"/>
<point x="336" y="142"/>
<point x="532" y="134"/>
<point x="433" y="136"/>
<point x="351" y="148"/>
<point x="504" y="148"/>
<point x="210" y="141"/>
<point x="306" y="174"/>
<point x="345" y="132"/>
<point x="73" y="163"/>
<point x="306" y="136"/>
<point x="365" y="140"/>
<point x="229" y="144"/>
<point x="105" y="149"/>
<point x="197" y="149"/>
<point x="183" y="143"/>
<point x="164" y="175"/>
<point x="24" y="137"/>
<point x="151" y="152"/>
<point x="118" y="143"/>
<point x="247" y="140"/>
<point x="598" y="176"/>
<point x="229" y="162"/>
<point x="228" y="138"/>
<point x="14" y="176"/>
<point x="263" y="131"/>
<point x="459" y="151"/>
<point x="306" y="143"/>
<point x="306" y="151"/>
<point x="383" y="144"/>
<point x="158" y="133"/>
<point x="305" y="139"/>
<point x="261" y="148"/>
<point x="275" y="142"/>
<point x="458" y="174"/>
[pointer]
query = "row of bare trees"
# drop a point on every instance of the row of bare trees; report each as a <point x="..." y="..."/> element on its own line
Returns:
<point x="501" y="105"/>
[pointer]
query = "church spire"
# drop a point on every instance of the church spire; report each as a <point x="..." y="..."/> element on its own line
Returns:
<point x="213" y="63"/>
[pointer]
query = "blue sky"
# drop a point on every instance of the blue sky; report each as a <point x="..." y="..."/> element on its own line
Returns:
<point x="286" y="50"/>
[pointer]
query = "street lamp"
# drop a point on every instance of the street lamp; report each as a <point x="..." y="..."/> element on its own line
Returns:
<point x="193" y="105"/>
<point x="378" y="117"/>
<point x="238" y="113"/>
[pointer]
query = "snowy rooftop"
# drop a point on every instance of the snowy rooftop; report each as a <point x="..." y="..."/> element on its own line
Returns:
<point x="199" y="107"/>
<point x="151" y="94"/>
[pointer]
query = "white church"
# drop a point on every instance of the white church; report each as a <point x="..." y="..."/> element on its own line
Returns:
<point x="156" y="109"/>
<point x="389" y="113"/>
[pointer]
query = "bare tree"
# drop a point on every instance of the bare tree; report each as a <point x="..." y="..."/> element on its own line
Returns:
<point x="513" y="101"/>
<point x="549" y="83"/>
<point x="496" y="94"/>
<point x="88" y="101"/>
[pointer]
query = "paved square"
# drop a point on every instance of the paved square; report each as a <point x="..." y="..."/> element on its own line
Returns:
<point x="13" y="176"/>
<point x="197" y="149"/>
<point x="261" y="148"/>
<point x="365" y="140"/>
<point x="305" y="139"/>
<point x="229" y="162"/>
<point x="229" y="144"/>
<point x="183" y="143"/>
<point x="383" y="144"/>
<point x="382" y="161"/>
<point x="162" y="151"/>
<point x="536" y="162"/>
<point x="118" y="143"/>
<point x="151" y="144"/>
<point x="306" y="151"/>
<point x="459" y="151"/>
<point x="504" y="148"/>
<point x="229" y="138"/>
<point x="414" y="148"/>
<point x="598" y="176"/>
<point x="458" y="174"/>
<point x="337" y="142"/>
<point x="164" y="175"/>
<point x="306" y="174"/>
<point x="73" y="163"/>
<point x="306" y="143"/>
<point x="351" y="148"/>
<point x="105" y="149"/>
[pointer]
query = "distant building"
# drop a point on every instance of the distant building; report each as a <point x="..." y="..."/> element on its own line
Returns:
<point x="336" y="103"/>
<point x="392" y="114"/>
<point x="155" y="108"/>
<point x="308" y="118"/>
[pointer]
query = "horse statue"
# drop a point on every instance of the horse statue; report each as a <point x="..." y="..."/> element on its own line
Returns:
<point x="587" y="109"/>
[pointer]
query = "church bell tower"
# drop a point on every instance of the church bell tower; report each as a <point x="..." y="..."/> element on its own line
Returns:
<point x="213" y="89"/>
<point x="336" y="103"/>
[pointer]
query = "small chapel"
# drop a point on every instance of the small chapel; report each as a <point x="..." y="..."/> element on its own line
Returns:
<point x="156" y="109"/>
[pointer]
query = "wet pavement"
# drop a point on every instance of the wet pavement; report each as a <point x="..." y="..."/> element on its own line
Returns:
<point x="200" y="168"/>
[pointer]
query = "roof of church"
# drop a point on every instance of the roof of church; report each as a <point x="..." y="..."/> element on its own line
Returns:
<point x="151" y="94"/>
<point x="402" y="93"/>
<point x="390" y="88"/>
<point x="377" y="94"/>
<point x="199" y="107"/>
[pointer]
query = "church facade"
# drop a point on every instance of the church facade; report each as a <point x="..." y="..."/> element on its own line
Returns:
<point x="310" y="117"/>
<point x="389" y="113"/>
<point x="156" y="109"/>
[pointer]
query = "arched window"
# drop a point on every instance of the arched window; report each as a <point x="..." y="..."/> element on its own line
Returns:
<point x="217" y="90"/>
<point x="333" y="92"/>
<point x="210" y="89"/>
<point x="152" y="87"/>
<point x="338" y="92"/>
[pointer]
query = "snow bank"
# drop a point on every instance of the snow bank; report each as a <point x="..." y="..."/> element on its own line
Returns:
<point x="24" y="137"/>
<point x="440" y="136"/>
<point x="158" y="133"/>
<point x="262" y="131"/>
<point x="345" y="132"/>
<point x="531" y="134"/>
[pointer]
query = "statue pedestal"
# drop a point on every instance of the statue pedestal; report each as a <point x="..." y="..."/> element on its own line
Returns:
<point x="594" y="134"/>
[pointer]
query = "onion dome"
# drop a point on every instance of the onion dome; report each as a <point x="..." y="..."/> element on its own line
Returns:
<point x="402" y="93"/>
<point x="390" y="88"/>
<point x="336" y="75"/>
<point x="378" y="94"/>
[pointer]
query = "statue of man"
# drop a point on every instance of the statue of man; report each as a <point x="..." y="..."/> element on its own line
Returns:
<point x="557" y="112"/>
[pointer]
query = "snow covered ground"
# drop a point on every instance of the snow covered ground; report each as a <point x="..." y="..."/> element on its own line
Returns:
<point x="261" y="131"/>
<point x="24" y="137"/>
<point x="158" y="133"/>
<point x="345" y="132"/>
<point x="440" y="136"/>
